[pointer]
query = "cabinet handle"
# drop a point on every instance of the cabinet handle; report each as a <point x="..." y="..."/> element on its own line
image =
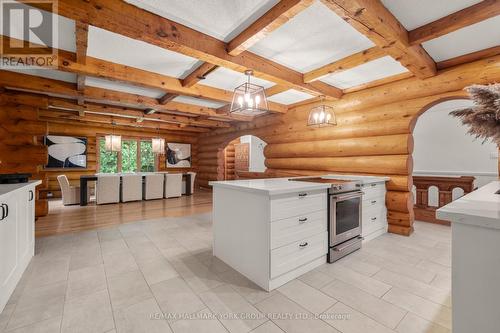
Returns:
<point x="302" y="195"/>
<point x="374" y="202"/>
<point x="303" y="245"/>
<point x="32" y="196"/>
<point x="374" y="218"/>
<point x="303" y="220"/>
<point x="3" y="212"/>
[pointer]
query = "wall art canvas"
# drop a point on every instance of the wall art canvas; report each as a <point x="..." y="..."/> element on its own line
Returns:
<point x="66" y="151"/>
<point x="178" y="155"/>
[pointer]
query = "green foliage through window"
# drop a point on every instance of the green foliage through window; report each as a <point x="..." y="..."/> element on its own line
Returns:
<point x="108" y="161"/>
<point x="147" y="157"/>
<point x="129" y="155"/>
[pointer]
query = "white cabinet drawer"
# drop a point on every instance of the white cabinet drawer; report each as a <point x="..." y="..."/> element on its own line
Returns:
<point x="297" y="204"/>
<point x="373" y="190"/>
<point x="376" y="202"/>
<point x="373" y="219"/>
<point x="293" y="229"/>
<point x="289" y="257"/>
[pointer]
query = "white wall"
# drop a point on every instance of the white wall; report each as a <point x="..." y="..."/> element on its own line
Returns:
<point x="256" y="151"/>
<point x="443" y="147"/>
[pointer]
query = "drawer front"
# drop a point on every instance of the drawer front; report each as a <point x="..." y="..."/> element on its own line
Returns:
<point x="297" y="204"/>
<point x="373" y="190"/>
<point x="373" y="219"/>
<point x="293" y="229"/>
<point x="376" y="203"/>
<point x="289" y="257"/>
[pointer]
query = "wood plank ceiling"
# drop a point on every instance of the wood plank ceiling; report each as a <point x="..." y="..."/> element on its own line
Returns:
<point x="368" y="17"/>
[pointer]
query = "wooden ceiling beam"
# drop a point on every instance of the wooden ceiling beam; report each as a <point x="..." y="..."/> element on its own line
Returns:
<point x="345" y="63"/>
<point x="168" y="97"/>
<point x="458" y="20"/>
<point x="274" y="18"/>
<point x="372" y="19"/>
<point x="379" y="82"/>
<point x="81" y="37"/>
<point x="36" y="84"/>
<point x="64" y="104"/>
<point x="200" y="73"/>
<point x="276" y="89"/>
<point x="148" y="27"/>
<point x="470" y="57"/>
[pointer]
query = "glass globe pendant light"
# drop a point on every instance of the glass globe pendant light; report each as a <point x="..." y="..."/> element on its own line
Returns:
<point x="322" y="115"/>
<point x="249" y="99"/>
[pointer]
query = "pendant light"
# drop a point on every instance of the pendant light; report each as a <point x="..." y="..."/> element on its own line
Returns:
<point x="322" y="115"/>
<point x="113" y="143"/>
<point x="249" y="99"/>
<point x="158" y="144"/>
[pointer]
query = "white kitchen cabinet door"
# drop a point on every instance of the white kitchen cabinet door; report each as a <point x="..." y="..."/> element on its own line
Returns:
<point x="8" y="240"/>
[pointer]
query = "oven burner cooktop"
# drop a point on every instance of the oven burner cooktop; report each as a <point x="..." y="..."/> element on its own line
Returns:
<point x="337" y="185"/>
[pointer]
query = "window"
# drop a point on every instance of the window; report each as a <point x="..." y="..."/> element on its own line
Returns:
<point x="136" y="155"/>
<point x="147" y="157"/>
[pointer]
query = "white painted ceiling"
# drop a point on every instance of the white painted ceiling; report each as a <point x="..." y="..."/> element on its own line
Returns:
<point x="228" y="79"/>
<point x="290" y="97"/>
<point x="199" y="101"/>
<point x="113" y="47"/>
<point x="311" y="39"/>
<point x="370" y="71"/>
<point x="415" y="13"/>
<point x="47" y="73"/>
<point x="127" y="88"/>
<point x="473" y="38"/>
<point x="222" y="19"/>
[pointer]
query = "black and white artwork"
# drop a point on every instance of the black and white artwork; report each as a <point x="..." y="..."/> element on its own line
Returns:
<point x="178" y="155"/>
<point x="66" y="151"/>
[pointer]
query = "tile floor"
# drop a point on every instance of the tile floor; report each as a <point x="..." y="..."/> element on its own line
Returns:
<point x="160" y="276"/>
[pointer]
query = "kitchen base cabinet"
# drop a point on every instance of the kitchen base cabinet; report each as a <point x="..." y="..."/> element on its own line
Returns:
<point x="374" y="211"/>
<point x="17" y="235"/>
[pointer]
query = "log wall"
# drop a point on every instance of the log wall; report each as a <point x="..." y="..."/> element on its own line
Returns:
<point x="373" y="135"/>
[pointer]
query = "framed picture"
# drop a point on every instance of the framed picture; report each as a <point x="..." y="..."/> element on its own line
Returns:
<point x="66" y="151"/>
<point x="178" y="155"/>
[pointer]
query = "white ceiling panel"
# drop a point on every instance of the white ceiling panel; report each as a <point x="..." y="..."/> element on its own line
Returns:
<point x="370" y="71"/>
<point x="313" y="38"/>
<point x="222" y="19"/>
<point x="113" y="47"/>
<point x="65" y="31"/>
<point x="199" y="101"/>
<point x="473" y="38"/>
<point x="224" y="78"/>
<point x="47" y="73"/>
<point x="290" y="96"/>
<point x="127" y="88"/>
<point x="413" y="14"/>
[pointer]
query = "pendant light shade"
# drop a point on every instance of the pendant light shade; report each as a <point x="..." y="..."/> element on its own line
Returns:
<point x="113" y="143"/>
<point x="321" y="115"/>
<point x="249" y="99"/>
<point x="158" y="145"/>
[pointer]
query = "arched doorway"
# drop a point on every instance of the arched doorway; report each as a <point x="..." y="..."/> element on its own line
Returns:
<point x="239" y="156"/>
<point x="448" y="162"/>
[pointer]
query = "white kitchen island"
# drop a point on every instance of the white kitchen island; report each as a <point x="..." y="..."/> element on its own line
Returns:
<point x="475" y="236"/>
<point x="274" y="230"/>
<point x="17" y="234"/>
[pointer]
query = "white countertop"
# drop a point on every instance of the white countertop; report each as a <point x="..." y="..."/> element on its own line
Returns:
<point x="480" y="207"/>
<point x="271" y="186"/>
<point x="362" y="179"/>
<point x="7" y="188"/>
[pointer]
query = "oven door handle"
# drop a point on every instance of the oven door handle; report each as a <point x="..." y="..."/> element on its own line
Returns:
<point x="356" y="194"/>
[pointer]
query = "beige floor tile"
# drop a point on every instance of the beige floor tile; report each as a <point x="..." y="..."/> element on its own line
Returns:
<point x="434" y="267"/>
<point x="442" y="281"/>
<point x="128" y="289"/>
<point x="199" y="325"/>
<point x="91" y="313"/>
<point x="225" y="301"/>
<point x="157" y="270"/>
<point x="358" y="264"/>
<point x="92" y="257"/>
<point x="119" y="263"/>
<point x="316" y="278"/>
<point x="414" y="272"/>
<point x="109" y="234"/>
<point x="374" y="307"/>
<point x="348" y="320"/>
<point x="213" y="263"/>
<point x="145" y="252"/>
<point x="426" y="309"/>
<point x="114" y="246"/>
<point x="268" y="327"/>
<point x="6" y="314"/>
<point x="412" y="323"/>
<point x="418" y="288"/>
<point x="140" y="317"/>
<point x="363" y="282"/>
<point x="197" y="276"/>
<point x="34" y="314"/>
<point x="86" y="281"/>
<point x="311" y="299"/>
<point x="176" y="298"/>
<point x="49" y="272"/>
<point x="51" y="325"/>
<point x="291" y="317"/>
<point x="246" y="288"/>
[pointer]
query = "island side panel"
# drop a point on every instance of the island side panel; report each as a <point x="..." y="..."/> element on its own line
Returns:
<point x="241" y="232"/>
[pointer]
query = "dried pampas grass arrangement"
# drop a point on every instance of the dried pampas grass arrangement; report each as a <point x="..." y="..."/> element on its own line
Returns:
<point x="483" y="119"/>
